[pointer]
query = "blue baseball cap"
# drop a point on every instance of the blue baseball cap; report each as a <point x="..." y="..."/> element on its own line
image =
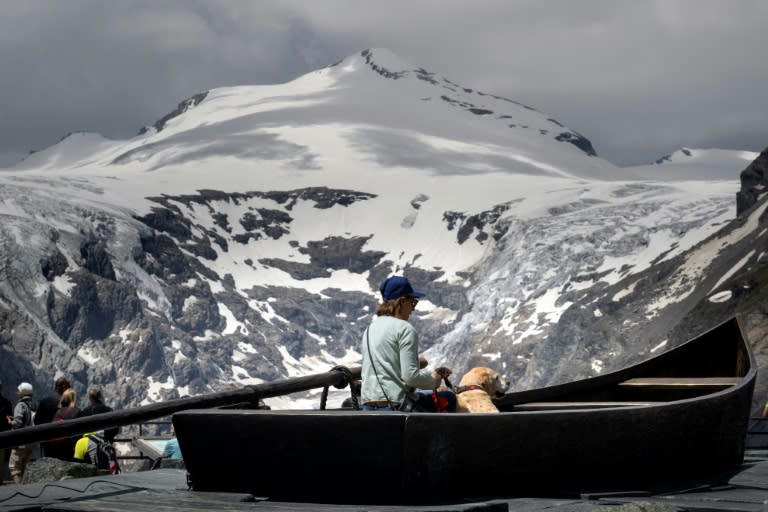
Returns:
<point x="398" y="286"/>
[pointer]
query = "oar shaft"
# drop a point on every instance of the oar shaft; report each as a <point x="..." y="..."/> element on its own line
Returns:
<point x="149" y="412"/>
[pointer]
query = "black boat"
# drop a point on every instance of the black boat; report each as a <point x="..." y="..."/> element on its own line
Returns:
<point x="681" y="415"/>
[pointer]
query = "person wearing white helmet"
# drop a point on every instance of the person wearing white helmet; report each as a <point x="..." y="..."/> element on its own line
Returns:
<point x="22" y="417"/>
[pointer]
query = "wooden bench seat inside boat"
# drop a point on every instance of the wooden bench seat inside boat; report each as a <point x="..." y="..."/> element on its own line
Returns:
<point x="666" y="389"/>
<point x="549" y="406"/>
<point x="682" y="382"/>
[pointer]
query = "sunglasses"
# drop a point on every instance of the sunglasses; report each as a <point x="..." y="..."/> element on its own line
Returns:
<point x="414" y="301"/>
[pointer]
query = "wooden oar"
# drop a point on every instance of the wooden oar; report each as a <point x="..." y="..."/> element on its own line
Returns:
<point x="144" y="413"/>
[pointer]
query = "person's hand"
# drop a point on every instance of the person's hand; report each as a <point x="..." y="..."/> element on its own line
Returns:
<point x="439" y="374"/>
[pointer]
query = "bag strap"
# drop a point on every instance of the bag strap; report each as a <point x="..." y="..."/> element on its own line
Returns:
<point x="98" y="439"/>
<point x="370" y="358"/>
<point x="408" y="393"/>
<point x="27" y="413"/>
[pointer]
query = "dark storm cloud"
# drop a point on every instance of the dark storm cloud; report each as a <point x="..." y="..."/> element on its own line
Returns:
<point x="113" y="67"/>
<point x="639" y="79"/>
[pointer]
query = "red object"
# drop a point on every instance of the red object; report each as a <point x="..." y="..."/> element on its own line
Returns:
<point x="441" y="404"/>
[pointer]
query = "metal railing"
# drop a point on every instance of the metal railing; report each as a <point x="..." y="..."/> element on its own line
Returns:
<point x="135" y="443"/>
<point x="338" y="377"/>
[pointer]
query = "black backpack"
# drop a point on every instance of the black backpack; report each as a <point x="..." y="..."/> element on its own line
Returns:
<point x="102" y="453"/>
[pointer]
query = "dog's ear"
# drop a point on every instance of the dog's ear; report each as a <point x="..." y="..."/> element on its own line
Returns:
<point x="489" y="380"/>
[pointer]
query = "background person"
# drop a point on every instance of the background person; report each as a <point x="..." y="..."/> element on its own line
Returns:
<point x="92" y="448"/>
<point x="171" y="451"/>
<point x="6" y="417"/>
<point x="96" y="406"/>
<point x="390" y="348"/>
<point x="47" y="407"/>
<point x="67" y="406"/>
<point x="22" y="418"/>
<point x="63" y="448"/>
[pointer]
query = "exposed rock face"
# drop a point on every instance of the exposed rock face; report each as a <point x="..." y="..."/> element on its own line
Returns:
<point x="484" y="224"/>
<point x="329" y="254"/>
<point x="94" y="308"/>
<point x="180" y="109"/>
<point x="579" y="141"/>
<point x="754" y="180"/>
<point x="458" y="97"/>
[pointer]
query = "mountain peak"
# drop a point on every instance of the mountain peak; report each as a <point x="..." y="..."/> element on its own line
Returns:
<point x="696" y="164"/>
<point x="678" y="155"/>
<point x="695" y="156"/>
<point x="70" y="149"/>
<point x="380" y="60"/>
<point x="399" y="116"/>
<point x="386" y="61"/>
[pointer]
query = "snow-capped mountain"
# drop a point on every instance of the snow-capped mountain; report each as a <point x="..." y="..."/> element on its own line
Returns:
<point x="242" y="238"/>
<point x="695" y="164"/>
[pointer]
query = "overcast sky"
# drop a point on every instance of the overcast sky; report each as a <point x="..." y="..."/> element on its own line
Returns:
<point x="638" y="78"/>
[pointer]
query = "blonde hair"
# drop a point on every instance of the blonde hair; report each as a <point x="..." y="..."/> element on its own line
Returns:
<point x="68" y="398"/>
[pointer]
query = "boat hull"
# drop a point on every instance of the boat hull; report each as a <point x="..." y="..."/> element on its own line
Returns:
<point x="369" y="457"/>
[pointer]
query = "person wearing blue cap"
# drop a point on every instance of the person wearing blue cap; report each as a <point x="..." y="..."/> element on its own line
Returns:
<point x="391" y="367"/>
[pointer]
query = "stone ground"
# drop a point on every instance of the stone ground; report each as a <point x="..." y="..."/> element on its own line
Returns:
<point x="166" y="490"/>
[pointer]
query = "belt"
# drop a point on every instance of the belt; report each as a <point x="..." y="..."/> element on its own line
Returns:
<point x="382" y="403"/>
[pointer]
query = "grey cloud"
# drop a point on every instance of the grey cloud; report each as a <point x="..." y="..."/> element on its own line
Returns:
<point x="115" y="67"/>
<point x="636" y="78"/>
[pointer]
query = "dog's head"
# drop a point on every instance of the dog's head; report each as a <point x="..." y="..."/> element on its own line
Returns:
<point x="493" y="383"/>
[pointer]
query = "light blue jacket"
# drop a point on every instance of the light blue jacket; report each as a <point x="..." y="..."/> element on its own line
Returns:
<point x="394" y="346"/>
<point x="172" y="450"/>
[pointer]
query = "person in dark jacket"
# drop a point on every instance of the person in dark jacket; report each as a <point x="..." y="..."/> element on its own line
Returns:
<point x="6" y="411"/>
<point x="96" y="406"/>
<point x="47" y="408"/>
<point x="6" y="417"/>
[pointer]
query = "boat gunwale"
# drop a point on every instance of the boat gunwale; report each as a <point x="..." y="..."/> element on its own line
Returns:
<point x="596" y="382"/>
<point x="622" y="374"/>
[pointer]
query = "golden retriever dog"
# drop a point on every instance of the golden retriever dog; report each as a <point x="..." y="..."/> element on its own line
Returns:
<point x="476" y="389"/>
